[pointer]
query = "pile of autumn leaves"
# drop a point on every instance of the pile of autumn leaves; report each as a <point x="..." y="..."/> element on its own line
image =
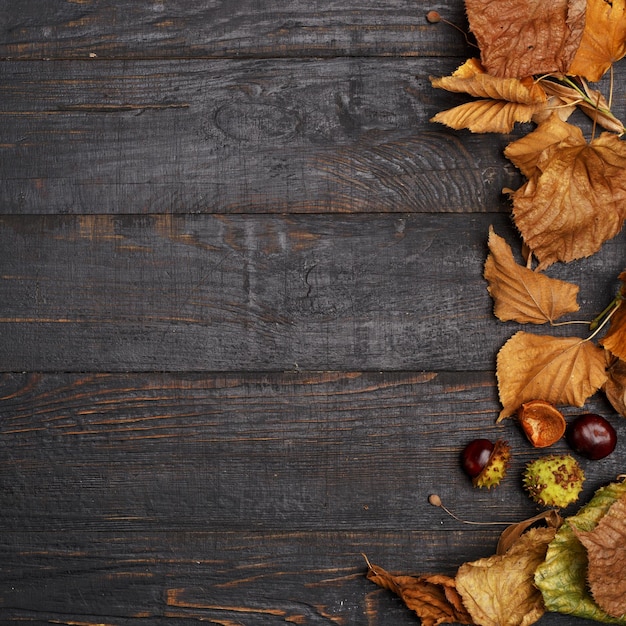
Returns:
<point x="536" y="59"/>
<point x="573" y="566"/>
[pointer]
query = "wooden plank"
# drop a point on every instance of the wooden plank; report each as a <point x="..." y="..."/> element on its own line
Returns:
<point x="242" y="292"/>
<point x="277" y="452"/>
<point x="249" y="578"/>
<point x="338" y="135"/>
<point x="198" y="28"/>
<point x="243" y="498"/>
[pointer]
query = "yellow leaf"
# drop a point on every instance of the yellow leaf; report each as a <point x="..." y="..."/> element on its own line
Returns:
<point x="523" y="295"/>
<point x="575" y="201"/>
<point x="504" y="100"/>
<point x="519" y="38"/>
<point x="499" y="590"/>
<point x="560" y="370"/>
<point x="603" y="41"/>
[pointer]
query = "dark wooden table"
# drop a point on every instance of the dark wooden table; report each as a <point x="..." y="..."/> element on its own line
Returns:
<point x="244" y="330"/>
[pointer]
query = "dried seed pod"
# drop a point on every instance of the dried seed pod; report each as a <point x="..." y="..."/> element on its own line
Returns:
<point x="542" y="423"/>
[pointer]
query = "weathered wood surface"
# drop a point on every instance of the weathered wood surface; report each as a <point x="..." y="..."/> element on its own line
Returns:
<point x="247" y="498"/>
<point x="226" y="293"/>
<point x="339" y="135"/>
<point x="243" y="328"/>
<point x="79" y="29"/>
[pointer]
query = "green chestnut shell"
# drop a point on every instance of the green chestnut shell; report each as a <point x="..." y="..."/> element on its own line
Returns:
<point x="554" y="480"/>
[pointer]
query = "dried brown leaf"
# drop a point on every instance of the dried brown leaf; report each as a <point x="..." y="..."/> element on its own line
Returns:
<point x="434" y="598"/>
<point x="504" y="100"/>
<point x="606" y="552"/>
<point x="520" y="38"/>
<point x="603" y="41"/>
<point x="499" y="590"/>
<point x="615" y="339"/>
<point x="576" y="198"/>
<point x="615" y="386"/>
<point x="513" y="532"/>
<point x="560" y="370"/>
<point x="523" y="295"/>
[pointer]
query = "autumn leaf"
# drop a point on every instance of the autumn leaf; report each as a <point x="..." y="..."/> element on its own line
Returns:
<point x="434" y="598"/>
<point x="513" y="532"/>
<point x="603" y="41"/>
<point x="615" y="339"/>
<point x="562" y="577"/>
<point x="615" y="386"/>
<point x="520" y="38"/>
<point x="560" y="370"/>
<point x="509" y="100"/>
<point x="523" y="295"/>
<point x="499" y="590"/>
<point x="574" y="200"/>
<point x="606" y="553"/>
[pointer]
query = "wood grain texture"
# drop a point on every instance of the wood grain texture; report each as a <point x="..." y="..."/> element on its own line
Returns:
<point x="218" y="28"/>
<point x="243" y="498"/>
<point x="213" y="293"/>
<point x="338" y="135"/>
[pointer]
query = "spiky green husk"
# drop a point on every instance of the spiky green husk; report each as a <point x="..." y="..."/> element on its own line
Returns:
<point x="496" y="467"/>
<point x="555" y="480"/>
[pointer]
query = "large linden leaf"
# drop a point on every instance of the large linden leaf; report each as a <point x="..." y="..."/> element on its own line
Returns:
<point x="509" y="100"/>
<point x="562" y="577"/>
<point x="606" y="552"/>
<point x="523" y="295"/>
<point x="520" y="38"/>
<point x="560" y="370"/>
<point x="603" y="41"/>
<point x="499" y="590"/>
<point x="576" y="201"/>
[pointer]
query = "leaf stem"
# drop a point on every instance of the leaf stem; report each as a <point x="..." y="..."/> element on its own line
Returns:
<point x="615" y="304"/>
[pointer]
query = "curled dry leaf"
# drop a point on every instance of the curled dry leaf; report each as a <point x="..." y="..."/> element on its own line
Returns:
<point x="522" y="295"/>
<point x="434" y="598"/>
<point x="562" y="577"/>
<point x="508" y="100"/>
<point x="499" y="590"/>
<point x="603" y="41"/>
<point x="615" y="386"/>
<point x="513" y="532"/>
<point x="575" y="197"/>
<point x="606" y="552"/>
<point x="615" y="339"/>
<point x="520" y="38"/>
<point x="560" y="370"/>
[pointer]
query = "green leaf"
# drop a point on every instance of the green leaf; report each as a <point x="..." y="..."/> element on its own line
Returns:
<point x="562" y="576"/>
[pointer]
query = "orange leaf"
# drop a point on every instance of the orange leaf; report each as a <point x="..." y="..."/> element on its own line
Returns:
<point x="560" y="370"/>
<point x="575" y="200"/>
<point x="606" y="552"/>
<point x="434" y="598"/>
<point x="520" y="37"/>
<point x="523" y="295"/>
<point x="499" y="590"/>
<point x="509" y="100"/>
<point x="603" y="41"/>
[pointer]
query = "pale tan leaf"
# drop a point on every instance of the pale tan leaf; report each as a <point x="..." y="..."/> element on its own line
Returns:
<point x="560" y="370"/>
<point x="499" y="590"/>
<point x="603" y="41"/>
<point x="520" y="38"/>
<point x="522" y="295"/>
